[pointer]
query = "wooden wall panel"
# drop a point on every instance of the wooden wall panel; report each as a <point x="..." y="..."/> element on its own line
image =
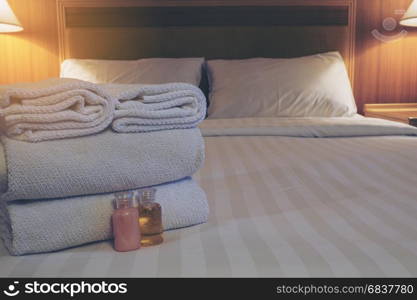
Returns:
<point x="385" y="72"/>
<point x="30" y="55"/>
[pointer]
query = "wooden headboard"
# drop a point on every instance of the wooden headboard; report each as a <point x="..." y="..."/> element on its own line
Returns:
<point x="230" y="29"/>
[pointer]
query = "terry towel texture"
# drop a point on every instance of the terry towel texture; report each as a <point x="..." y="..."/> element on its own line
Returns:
<point x="157" y="107"/>
<point x="49" y="225"/>
<point x="59" y="192"/>
<point x="101" y="163"/>
<point x="54" y="109"/>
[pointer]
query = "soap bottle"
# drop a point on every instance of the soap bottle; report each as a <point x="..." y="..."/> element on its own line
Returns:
<point x="150" y="218"/>
<point x="125" y="223"/>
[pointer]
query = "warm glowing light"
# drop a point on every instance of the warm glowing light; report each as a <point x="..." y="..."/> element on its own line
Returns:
<point x="410" y="17"/>
<point x="8" y="20"/>
<point x="151" y="240"/>
<point x="143" y="221"/>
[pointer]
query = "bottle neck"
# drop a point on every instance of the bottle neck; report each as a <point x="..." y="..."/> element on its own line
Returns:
<point x="125" y="203"/>
<point x="148" y="195"/>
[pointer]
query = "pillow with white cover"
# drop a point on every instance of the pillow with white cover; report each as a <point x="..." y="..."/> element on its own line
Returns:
<point x="311" y="86"/>
<point x="144" y="71"/>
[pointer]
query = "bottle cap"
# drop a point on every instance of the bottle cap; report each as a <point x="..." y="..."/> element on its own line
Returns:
<point x="148" y="195"/>
<point x="124" y="195"/>
<point x="125" y="200"/>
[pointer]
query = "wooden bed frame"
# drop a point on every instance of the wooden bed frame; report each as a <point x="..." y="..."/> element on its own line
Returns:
<point x="229" y="29"/>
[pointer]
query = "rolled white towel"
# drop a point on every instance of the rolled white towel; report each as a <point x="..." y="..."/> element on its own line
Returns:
<point x="54" y="109"/>
<point x="144" y="108"/>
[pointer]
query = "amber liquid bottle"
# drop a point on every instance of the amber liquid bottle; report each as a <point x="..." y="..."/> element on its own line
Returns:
<point x="150" y="218"/>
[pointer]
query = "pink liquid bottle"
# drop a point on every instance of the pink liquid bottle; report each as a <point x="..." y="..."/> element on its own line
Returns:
<point x="125" y="223"/>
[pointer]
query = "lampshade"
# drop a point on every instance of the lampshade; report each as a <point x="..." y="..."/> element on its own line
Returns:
<point x="410" y="17"/>
<point x="8" y="20"/>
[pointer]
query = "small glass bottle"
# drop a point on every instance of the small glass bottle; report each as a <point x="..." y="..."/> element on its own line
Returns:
<point x="125" y="223"/>
<point x="150" y="218"/>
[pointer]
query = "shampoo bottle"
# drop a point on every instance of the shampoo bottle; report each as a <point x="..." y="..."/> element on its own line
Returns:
<point x="125" y="223"/>
<point x="150" y="218"/>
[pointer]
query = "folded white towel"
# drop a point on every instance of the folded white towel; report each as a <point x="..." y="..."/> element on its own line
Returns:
<point x="49" y="225"/>
<point x="99" y="163"/>
<point x="54" y="109"/>
<point x="144" y="108"/>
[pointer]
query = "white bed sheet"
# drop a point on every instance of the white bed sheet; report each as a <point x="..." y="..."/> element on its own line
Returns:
<point x="280" y="206"/>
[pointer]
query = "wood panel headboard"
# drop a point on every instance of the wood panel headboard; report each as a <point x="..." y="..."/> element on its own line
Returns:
<point x="230" y="29"/>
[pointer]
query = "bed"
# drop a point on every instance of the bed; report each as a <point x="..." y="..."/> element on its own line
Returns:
<point x="280" y="206"/>
<point x="289" y="197"/>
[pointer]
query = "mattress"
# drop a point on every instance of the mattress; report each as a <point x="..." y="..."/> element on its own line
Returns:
<point x="281" y="205"/>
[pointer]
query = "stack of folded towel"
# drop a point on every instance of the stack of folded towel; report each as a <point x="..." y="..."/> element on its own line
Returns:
<point x="68" y="145"/>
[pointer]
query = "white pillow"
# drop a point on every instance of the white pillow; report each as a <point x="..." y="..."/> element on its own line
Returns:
<point x="146" y="71"/>
<point x="311" y="86"/>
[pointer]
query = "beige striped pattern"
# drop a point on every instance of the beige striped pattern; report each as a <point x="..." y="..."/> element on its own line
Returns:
<point x="280" y="206"/>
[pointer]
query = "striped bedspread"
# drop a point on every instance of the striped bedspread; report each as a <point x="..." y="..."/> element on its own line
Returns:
<point x="280" y="206"/>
